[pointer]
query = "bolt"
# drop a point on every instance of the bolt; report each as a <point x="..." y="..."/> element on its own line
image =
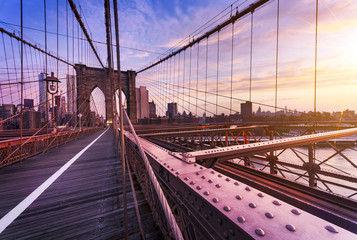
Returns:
<point x="290" y="227"/>
<point x="276" y="202"/>
<point x="239" y="197"/>
<point x="260" y="195"/>
<point x="186" y="178"/>
<point x="259" y="232"/>
<point x="227" y="179"/>
<point x="215" y="200"/>
<point x="197" y="173"/>
<point x="252" y="205"/>
<point x="247" y="188"/>
<point x="269" y="215"/>
<point x="218" y="185"/>
<point x="203" y="177"/>
<point x="177" y="173"/>
<point x="199" y="187"/>
<point x="227" y="208"/>
<point x="219" y="175"/>
<point x="331" y="229"/>
<point x="206" y="193"/>
<point x="192" y="182"/>
<point x="195" y="165"/>
<point x="201" y="167"/>
<point x="236" y="183"/>
<point x="210" y="181"/>
<point x="241" y="219"/>
<point x="296" y="212"/>
<point x="212" y="172"/>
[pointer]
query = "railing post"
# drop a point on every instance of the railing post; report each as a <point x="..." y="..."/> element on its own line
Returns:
<point x="272" y="159"/>
<point x="311" y="165"/>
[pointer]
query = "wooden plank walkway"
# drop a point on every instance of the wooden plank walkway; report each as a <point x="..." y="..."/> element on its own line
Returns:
<point x="85" y="202"/>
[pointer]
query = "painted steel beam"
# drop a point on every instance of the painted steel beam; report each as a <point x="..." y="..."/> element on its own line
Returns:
<point x="201" y="132"/>
<point x="224" y="208"/>
<point x="231" y="152"/>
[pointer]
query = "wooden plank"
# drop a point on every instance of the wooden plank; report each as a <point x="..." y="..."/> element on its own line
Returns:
<point x="83" y="203"/>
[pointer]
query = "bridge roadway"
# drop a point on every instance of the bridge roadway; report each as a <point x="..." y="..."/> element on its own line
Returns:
<point x="85" y="202"/>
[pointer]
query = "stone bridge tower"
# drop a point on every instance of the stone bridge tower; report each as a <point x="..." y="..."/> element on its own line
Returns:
<point x="88" y="78"/>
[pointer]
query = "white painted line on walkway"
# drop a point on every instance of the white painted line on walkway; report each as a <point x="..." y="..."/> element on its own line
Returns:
<point x="16" y="211"/>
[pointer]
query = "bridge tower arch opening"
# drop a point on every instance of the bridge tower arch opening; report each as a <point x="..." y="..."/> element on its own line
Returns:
<point x="123" y="99"/>
<point x="97" y="106"/>
<point x="88" y="78"/>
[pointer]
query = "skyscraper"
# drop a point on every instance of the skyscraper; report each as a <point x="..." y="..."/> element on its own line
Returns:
<point x="71" y="94"/>
<point x="142" y="102"/>
<point x="171" y="110"/>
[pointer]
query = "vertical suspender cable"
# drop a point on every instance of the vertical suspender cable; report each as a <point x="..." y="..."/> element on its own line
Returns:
<point x="317" y="15"/>
<point x="217" y="72"/>
<point x="22" y="81"/>
<point x="121" y="122"/>
<point x="251" y="56"/>
<point x="232" y="55"/>
<point x="183" y="79"/>
<point x="277" y="56"/>
<point x="206" y="77"/>
<point x="198" y="61"/>
<point x="189" y="81"/>
<point x="178" y="80"/>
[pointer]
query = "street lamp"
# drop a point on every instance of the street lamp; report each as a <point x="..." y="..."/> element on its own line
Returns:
<point x="52" y="88"/>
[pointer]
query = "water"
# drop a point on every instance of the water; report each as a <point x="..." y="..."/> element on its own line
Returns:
<point x="336" y="164"/>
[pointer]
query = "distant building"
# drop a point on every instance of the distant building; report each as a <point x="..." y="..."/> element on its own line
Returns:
<point x="171" y="110"/>
<point x="142" y="101"/>
<point x="44" y="95"/>
<point x="71" y="94"/>
<point x="7" y="110"/>
<point x="28" y="103"/>
<point x="32" y="120"/>
<point x="152" y="110"/>
<point x="246" y="110"/>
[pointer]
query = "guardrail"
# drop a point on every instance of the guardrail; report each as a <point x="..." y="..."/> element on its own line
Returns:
<point x="14" y="150"/>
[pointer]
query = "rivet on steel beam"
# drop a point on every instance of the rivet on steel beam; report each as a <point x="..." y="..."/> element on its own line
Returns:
<point x="215" y="200"/>
<point x="168" y="166"/>
<point x="227" y="179"/>
<point x="195" y="165"/>
<point x="276" y="202"/>
<point x="172" y="169"/>
<point x="296" y="211"/>
<point x="290" y="227"/>
<point x="197" y="173"/>
<point x="218" y="185"/>
<point x="331" y="229"/>
<point x="192" y="182"/>
<point x="206" y="193"/>
<point x="259" y="232"/>
<point x="203" y="177"/>
<point x="219" y="175"/>
<point x="186" y="178"/>
<point x="199" y="187"/>
<point x="227" y="208"/>
<point x="260" y="194"/>
<point x="201" y="167"/>
<point x="210" y="181"/>
<point x="269" y="215"/>
<point x="212" y="172"/>
<point x="247" y="188"/>
<point x="164" y="163"/>
<point x="177" y="173"/>
<point x="241" y="219"/>
<point x="236" y="183"/>
<point x="252" y="205"/>
<point x="239" y="197"/>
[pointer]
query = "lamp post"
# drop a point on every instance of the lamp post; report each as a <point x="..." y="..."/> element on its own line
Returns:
<point x="52" y="88"/>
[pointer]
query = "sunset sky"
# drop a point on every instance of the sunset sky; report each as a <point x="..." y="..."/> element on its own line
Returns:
<point x="155" y="26"/>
